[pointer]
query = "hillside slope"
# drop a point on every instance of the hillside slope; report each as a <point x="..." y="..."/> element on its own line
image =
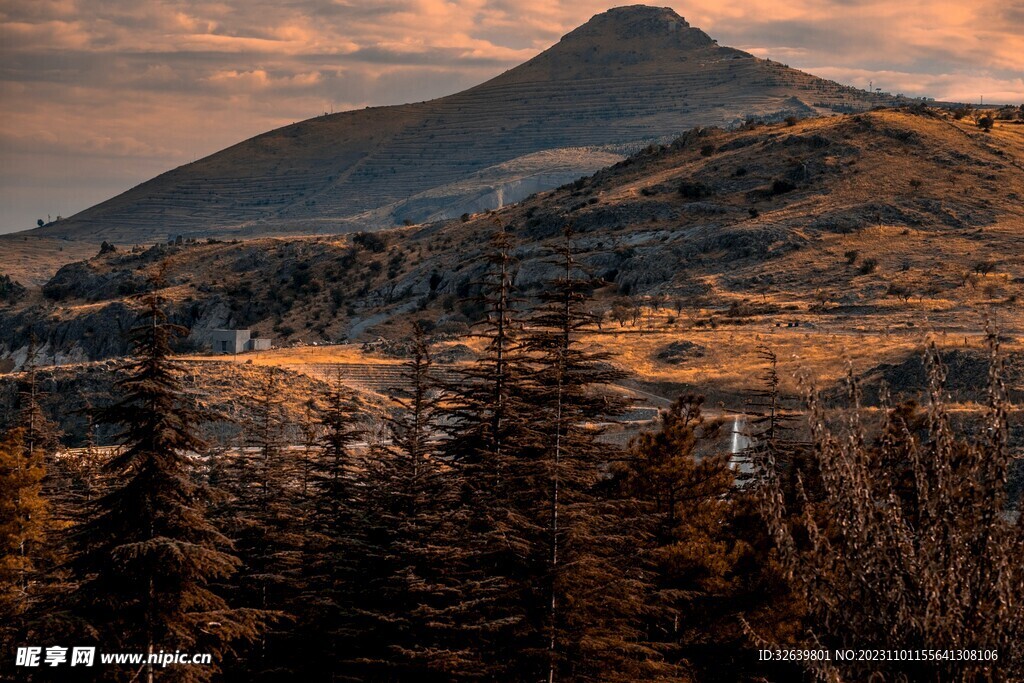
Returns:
<point x="862" y="232"/>
<point x="629" y="76"/>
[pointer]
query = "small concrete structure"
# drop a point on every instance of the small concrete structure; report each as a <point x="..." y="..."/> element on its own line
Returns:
<point x="236" y="341"/>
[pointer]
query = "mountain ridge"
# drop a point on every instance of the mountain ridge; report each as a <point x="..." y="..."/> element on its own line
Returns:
<point x="629" y="76"/>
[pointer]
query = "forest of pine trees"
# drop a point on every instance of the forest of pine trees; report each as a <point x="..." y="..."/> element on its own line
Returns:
<point x="488" y="530"/>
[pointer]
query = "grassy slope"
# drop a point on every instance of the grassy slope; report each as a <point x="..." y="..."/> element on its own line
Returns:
<point x="33" y="260"/>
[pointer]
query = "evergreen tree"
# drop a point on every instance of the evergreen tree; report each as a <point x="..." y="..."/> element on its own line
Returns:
<point x="148" y="556"/>
<point x="265" y="516"/>
<point x="412" y="537"/>
<point x="311" y="429"/>
<point x="488" y="408"/>
<point x="713" y="576"/>
<point x="755" y="603"/>
<point x="42" y="435"/>
<point x="40" y="432"/>
<point x="50" y="510"/>
<point x="776" y="444"/>
<point x="335" y="550"/>
<point x="23" y="528"/>
<point x="86" y="468"/>
<point x="684" y="498"/>
<point x="489" y="419"/>
<point x="584" y="595"/>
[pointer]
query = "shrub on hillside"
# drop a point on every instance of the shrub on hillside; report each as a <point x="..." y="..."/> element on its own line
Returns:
<point x="370" y="241"/>
<point x="781" y="186"/>
<point x="961" y="112"/>
<point x="984" y="267"/>
<point x="10" y="290"/>
<point x="693" y="190"/>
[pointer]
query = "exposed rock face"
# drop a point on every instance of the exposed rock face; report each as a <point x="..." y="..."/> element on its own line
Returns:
<point x="966" y="378"/>
<point x="82" y="281"/>
<point x="100" y="332"/>
<point x="629" y="75"/>
<point x="96" y="304"/>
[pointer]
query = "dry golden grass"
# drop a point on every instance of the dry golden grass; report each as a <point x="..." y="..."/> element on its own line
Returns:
<point x="300" y="355"/>
<point x="33" y="260"/>
<point x="731" y="360"/>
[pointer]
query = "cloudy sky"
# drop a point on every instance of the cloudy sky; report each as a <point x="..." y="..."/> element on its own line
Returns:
<point x="99" y="95"/>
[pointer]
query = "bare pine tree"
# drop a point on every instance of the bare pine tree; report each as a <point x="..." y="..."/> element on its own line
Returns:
<point x="910" y="544"/>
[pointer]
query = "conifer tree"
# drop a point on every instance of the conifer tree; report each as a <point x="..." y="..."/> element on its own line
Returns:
<point x="335" y="552"/>
<point x="702" y="547"/>
<point x="86" y="469"/>
<point x="23" y="528"/>
<point x="42" y="435"/>
<point x="265" y="517"/>
<point x="82" y="469"/>
<point x="148" y="557"/>
<point x="776" y="445"/>
<point x="489" y="421"/>
<point x="487" y="409"/>
<point x="585" y="600"/>
<point x="684" y="493"/>
<point x="50" y="509"/>
<point x="311" y="427"/>
<point x="413" y="542"/>
<point x="40" y="432"/>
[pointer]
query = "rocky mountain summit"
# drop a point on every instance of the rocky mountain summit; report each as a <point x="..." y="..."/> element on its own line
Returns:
<point x="627" y="78"/>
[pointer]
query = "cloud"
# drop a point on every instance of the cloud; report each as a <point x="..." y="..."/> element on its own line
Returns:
<point x="94" y="146"/>
<point x="139" y="87"/>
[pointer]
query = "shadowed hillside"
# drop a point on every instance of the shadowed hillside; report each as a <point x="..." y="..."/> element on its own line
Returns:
<point x="630" y="76"/>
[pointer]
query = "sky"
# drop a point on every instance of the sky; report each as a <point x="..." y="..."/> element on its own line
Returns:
<point x="97" y="96"/>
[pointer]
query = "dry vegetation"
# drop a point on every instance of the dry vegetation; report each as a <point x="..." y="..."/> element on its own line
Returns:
<point x="33" y="260"/>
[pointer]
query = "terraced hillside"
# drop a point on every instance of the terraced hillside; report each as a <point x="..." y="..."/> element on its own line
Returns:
<point x="628" y="77"/>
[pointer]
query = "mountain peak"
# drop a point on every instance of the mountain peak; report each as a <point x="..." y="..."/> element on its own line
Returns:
<point x="633" y="23"/>
<point x="634" y="40"/>
<point x="629" y="76"/>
